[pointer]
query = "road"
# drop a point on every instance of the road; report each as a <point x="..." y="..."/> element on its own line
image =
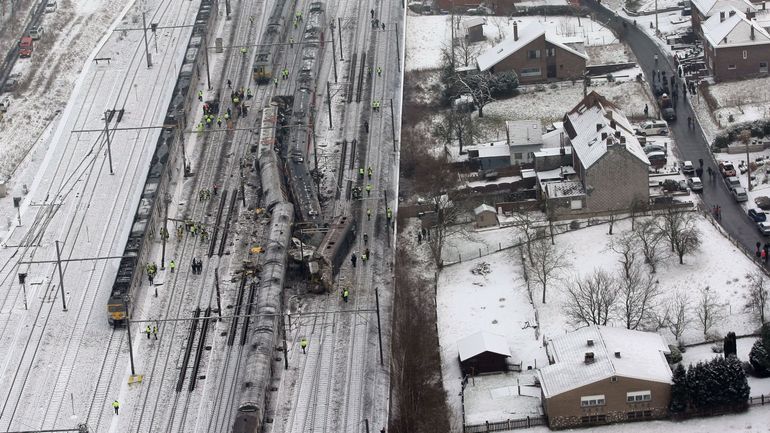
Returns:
<point x="691" y="145"/>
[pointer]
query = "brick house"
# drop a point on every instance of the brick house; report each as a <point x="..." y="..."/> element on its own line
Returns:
<point x="601" y="375"/>
<point x="611" y="169"/>
<point x="534" y="55"/>
<point x="734" y="46"/>
<point x="704" y="9"/>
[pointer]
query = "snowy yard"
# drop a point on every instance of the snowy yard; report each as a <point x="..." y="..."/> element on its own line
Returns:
<point x="745" y="100"/>
<point x="693" y="355"/>
<point x="495" y="299"/>
<point x="427" y="35"/>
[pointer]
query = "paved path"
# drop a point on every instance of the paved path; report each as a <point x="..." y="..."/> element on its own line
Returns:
<point x="691" y="145"/>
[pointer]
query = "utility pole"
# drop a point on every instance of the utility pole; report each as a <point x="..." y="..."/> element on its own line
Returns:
<point x="146" y="47"/>
<point x="334" y="52"/>
<point x="219" y="296"/>
<point x="107" y="134"/>
<point x="656" y="17"/>
<point x="61" y="276"/>
<point x="379" y="331"/>
<point x="128" y="328"/>
<point x="392" y="125"/>
<point x="748" y="163"/>
<point x="398" y="53"/>
<point x="164" y="232"/>
<point x="227" y="9"/>
<point x="22" y="281"/>
<point x="329" y="103"/>
<point x="339" y="31"/>
<point x="206" y="59"/>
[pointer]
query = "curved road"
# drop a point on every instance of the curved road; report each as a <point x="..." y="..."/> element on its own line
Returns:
<point x="691" y="145"/>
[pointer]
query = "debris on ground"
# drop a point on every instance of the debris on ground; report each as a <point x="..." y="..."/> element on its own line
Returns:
<point x="482" y="268"/>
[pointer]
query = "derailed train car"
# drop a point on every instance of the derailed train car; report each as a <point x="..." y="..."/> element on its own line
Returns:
<point x="262" y="68"/>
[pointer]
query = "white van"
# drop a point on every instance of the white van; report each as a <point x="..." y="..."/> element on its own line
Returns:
<point x="653" y="127"/>
<point x="50" y="6"/>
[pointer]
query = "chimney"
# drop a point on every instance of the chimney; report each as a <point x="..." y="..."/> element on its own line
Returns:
<point x="604" y="136"/>
<point x="622" y="139"/>
<point x="515" y="31"/>
<point x="617" y="134"/>
<point x="721" y="16"/>
<point x="612" y="124"/>
<point x="590" y="343"/>
<point x="752" y="32"/>
<point x="617" y="354"/>
<point x="732" y="12"/>
<point x="599" y="127"/>
<point x="764" y="4"/>
<point x="589" y="359"/>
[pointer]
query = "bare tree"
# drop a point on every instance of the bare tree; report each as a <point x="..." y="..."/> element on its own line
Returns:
<point x="708" y="310"/>
<point x="757" y="296"/>
<point x="625" y="247"/>
<point x="649" y="236"/>
<point x="466" y="51"/>
<point x="456" y="125"/>
<point x="638" y="205"/>
<point x="479" y="86"/>
<point x="446" y="226"/>
<point x="677" y="314"/>
<point x="681" y="232"/>
<point x="638" y="294"/>
<point x="547" y="263"/>
<point x="526" y="224"/>
<point x="590" y="300"/>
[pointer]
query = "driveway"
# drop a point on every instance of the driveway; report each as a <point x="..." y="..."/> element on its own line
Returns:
<point x="691" y="145"/>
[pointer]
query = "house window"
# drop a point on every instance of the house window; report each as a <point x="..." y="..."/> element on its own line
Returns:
<point x="745" y="54"/>
<point x="575" y="204"/>
<point x="763" y="67"/>
<point x="550" y="52"/>
<point x="593" y="419"/>
<point x="640" y="414"/>
<point x="592" y="400"/>
<point x="638" y="396"/>
<point x="533" y="54"/>
<point x="530" y="72"/>
<point x="614" y="379"/>
<point x="731" y="67"/>
<point x="517" y="156"/>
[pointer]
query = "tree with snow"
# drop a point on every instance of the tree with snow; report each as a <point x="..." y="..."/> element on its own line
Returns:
<point x="676" y="316"/>
<point x="637" y="296"/>
<point x="547" y="263"/>
<point x="591" y="300"/>
<point x="680" y="393"/>
<point x="730" y="345"/>
<point x="757" y="295"/>
<point x="759" y="356"/>
<point x="648" y="236"/>
<point x="446" y="226"/>
<point x="679" y="228"/>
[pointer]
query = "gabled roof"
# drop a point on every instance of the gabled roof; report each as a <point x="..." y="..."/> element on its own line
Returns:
<point x="483" y="208"/>
<point x="708" y="8"/>
<point x="735" y="30"/>
<point x="473" y="22"/>
<point x="563" y="44"/>
<point x="509" y="45"/>
<point x="594" y="117"/>
<point x="481" y="342"/>
<point x="641" y="356"/>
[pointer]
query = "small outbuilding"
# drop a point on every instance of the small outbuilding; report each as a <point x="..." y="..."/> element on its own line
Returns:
<point x="483" y="352"/>
<point x="485" y="216"/>
<point x="474" y="29"/>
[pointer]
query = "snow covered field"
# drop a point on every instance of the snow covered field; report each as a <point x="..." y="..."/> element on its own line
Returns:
<point x="427" y="35"/>
<point x="497" y="301"/>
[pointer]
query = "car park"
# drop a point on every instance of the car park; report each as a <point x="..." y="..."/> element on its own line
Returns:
<point x="739" y="194"/>
<point x="732" y="182"/>
<point x="764" y="227"/>
<point x="757" y="215"/>
<point x="653" y="127"/>
<point x="695" y="184"/>
<point x="688" y="168"/>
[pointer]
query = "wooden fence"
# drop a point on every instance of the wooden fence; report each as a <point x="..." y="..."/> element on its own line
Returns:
<point x="511" y="424"/>
<point x="759" y="400"/>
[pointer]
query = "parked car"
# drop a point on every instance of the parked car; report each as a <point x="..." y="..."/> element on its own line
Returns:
<point x="671" y="185"/>
<point x="657" y="159"/>
<point x="757" y="215"/>
<point x="688" y="168"/>
<point x="762" y="202"/>
<point x="764" y="227"/>
<point x="50" y="6"/>
<point x="36" y="32"/>
<point x="654" y="148"/>
<point x="669" y="114"/>
<point x="732" y="182"/>
<point x="726" y="168"/>
<point x="739" y="194"/>
<point x="652" y="127"/>
<point x="25" y="47"/>
<point x="695" y="184"/>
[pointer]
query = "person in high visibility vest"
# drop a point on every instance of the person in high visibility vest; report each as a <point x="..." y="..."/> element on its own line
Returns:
<point x="303" y="345"/>
<point x="208" y="121"/>
<point x="115" y="406"/>
<point x="379" y="71"/>
<point x="219" y="121"/>
<point x="249" y="95"/>
<point x="389" y="213"/>
<point x="368" y="214"/>
<point x="370" y="172"/>
<point x="172" y="265"/>
<point x="200" y="95"/>
<point x="227" y="117"/>
<point x="361" y="172"/>
<point x="275" y="82"/>
<point x="368" y="189"/>
<point x="148" y="331"/>
<point x="244" y="50"/>
<point x="285" y="73"/>
<point x="291" y="42"/>
<point x="345" y="295"/>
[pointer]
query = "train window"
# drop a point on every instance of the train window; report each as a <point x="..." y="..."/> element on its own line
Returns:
<point x="112" y="308"/>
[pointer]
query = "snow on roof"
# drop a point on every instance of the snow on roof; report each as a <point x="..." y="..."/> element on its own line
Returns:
<point x="495" y="149"/>
<point x="508" y="46"/>
<point x="641" y="356"/>
<point x="484" y="208"/>
<point x="481" y="342"/>
<point x="552" y="151"/>
<point x="564" y="188"/>
<point x="594" y="116"/>
<point x="556" y="173"/>
<point x="563" y="44"/>
<point x="708" y="7"/>
<point x="735" y="30"/>
<point x="552" y="138"/>
<point x="524" y="132"/>
<point x="473" y="22"/>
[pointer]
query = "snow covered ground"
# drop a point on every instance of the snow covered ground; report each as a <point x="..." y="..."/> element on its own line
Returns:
<point x="498" y="302"/>
<point x="427" y="35"/>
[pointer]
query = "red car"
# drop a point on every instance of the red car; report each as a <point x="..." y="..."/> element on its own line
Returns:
<point x="727" y="169"/>
<point x="25" y="47"/>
